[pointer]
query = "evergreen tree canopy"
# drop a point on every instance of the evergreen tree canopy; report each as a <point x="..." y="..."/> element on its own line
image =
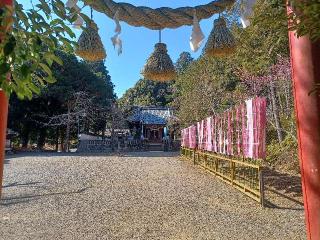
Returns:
<point x="27" y="117"/>
<point x="147" y="93"/>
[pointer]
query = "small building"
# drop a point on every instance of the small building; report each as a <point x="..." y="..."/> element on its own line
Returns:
<point x="152" y="123"/>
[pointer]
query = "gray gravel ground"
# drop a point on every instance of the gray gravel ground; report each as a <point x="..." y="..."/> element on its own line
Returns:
<point x="137" y="196"/>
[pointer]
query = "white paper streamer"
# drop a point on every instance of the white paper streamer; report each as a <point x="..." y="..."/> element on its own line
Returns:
<point x="78" y="23"/>
<point x="117" y="22"/>
<point x="116" y="40"/>
<point x="71" y="3"/>
<point x="76" y="10"/>
<point x="246" y="12"/>
<point x="197" y="35"/>
<point x="117" y="43"/>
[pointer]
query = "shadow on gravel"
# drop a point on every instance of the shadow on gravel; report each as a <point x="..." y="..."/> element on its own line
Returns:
<point x="17" y="184"/>
<point x="269" y="204"/>
<point x="288" y="184"/>
<point x="38" y="154"/>
<point x="149" y="154"/>
<point x="284" y="186"/>
<point x="75" y="154"/>
<point x="27" y="198"/>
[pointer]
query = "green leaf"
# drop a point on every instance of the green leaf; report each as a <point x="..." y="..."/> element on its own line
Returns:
<point x="9" y="46"/>
<point x="50" y="79"/>
<point x="34" y="88"/>
<point x="38" y="41"/>
<point x="45" y="7"/>
<point x="55" y="22"/>
<point x="23" y="17"/>
<point x="86" y="18"/>
<point x="59" y="9"/>
<point x="46" y="68"/>
<point x="25" y="70"/>
<point x="50" y="57"/>
<point x="38" y="79"/>
<point x="57" y="59"/>
<point x="4" y="68"/>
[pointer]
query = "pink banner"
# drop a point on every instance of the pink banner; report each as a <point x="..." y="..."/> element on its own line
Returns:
<point x="192" y="137"/>
<point x="241" y="131"/>
<point x="209" y="134"/>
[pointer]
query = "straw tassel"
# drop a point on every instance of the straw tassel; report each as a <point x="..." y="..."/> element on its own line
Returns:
<point x="90" y="46"/>
<point x="159" y="66"/>
<point x="221" y="41"/>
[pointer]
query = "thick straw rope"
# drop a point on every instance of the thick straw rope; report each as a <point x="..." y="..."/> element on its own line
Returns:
<point x="159" y="18"/>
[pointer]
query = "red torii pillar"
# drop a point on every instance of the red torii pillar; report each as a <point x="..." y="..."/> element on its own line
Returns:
<point x="305" y="61"/>
<point x="3" y="131"/>
<point x="3" y="114"/>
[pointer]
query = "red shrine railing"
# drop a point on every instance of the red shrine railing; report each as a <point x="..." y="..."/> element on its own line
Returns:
<point x="231" y="145"/>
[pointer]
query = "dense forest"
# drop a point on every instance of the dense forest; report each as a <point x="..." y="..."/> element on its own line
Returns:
<point x="77" y="102"/>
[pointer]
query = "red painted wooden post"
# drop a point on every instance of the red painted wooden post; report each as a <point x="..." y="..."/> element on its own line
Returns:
<point x="305" y="60"/>
<point x="3" y="130"/>
<point x="3" y="115"/>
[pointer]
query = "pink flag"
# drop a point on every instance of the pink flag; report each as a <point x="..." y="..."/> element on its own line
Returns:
<point x="244" y="130"/>
<point x="250" y="127"/>
<point x="229" y="134"/>
<point x="198" y="132"/>
<point x="183" y="138"/>
<point x="261" y="105"/>
<point x="238" y="119"/>
<point x="209" y="134"/>
<point x="214" y="134"/>
<point x="192" y="137"/>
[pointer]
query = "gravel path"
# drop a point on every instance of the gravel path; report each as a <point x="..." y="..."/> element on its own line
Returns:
<point x="137" y="196"/>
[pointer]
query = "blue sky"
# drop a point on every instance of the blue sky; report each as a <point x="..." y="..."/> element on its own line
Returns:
<point x="138" y="42"/>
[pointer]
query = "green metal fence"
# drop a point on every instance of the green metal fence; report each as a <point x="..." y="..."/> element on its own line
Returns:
<point x="245" y="176"/>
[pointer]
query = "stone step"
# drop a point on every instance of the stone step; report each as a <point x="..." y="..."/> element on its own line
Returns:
<point x="155" y="147"/>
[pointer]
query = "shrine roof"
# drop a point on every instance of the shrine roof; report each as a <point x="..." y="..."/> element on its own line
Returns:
<point x="152" y="115"/>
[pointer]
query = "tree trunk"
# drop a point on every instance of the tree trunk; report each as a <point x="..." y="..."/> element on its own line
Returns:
<point x="86" y="127"/>
<point x="282" y="109"/>
<point x="112" y="134"/>
<point x="275" y="111"/>
<point x="62" y="141"/>
<point x="68" y="130"/>
<point x="42" y="138"/>
<point x="25" y="136"/>
<point x="287" y="94"/>
<point x="57" y="139"/>
<point x="104" y="132"/>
